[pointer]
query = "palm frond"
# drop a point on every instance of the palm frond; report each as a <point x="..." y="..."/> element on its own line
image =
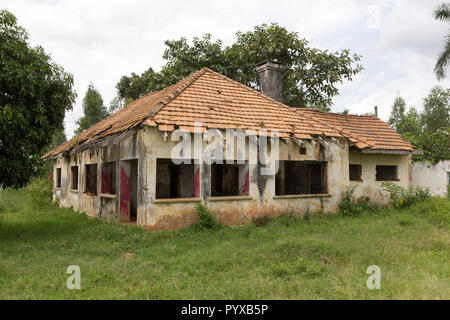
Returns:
<point x="443" y="60"/>
<point x="442" y="12"/>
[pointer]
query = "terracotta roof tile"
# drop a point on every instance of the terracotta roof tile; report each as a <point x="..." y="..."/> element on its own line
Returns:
<point x="219" y="102"/>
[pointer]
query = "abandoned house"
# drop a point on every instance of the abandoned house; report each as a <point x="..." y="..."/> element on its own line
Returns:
<point x="121" y="168"/>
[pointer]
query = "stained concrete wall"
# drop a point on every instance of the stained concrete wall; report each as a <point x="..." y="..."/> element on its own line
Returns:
<point x="105" y="206"/>
<point x="369" y="186"/>
<point x="148" y="144"/>
<point x="433" y="176"/>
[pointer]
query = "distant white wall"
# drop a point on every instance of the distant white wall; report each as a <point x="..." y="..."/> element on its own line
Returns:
<point x="432" y="176"/>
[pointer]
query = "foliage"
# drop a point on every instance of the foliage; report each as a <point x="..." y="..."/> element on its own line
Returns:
<point x="428" y="130"/>
<point x="40" y="191"/>
<point x="310" y="80"/>
<point x="403" y="198"/>
<point x="410" y="127"/>
<point x="442" y="13"/>
<point x="207" y="220"/>
<point x="349" y="206"/>
<point x="397" y="114"/>
<point x="436" y="110"/>
<point x="93" y="109"/>
<point x="347" y="203"/>
<point x="34" y="95"/>
<point x="435" y="145"/>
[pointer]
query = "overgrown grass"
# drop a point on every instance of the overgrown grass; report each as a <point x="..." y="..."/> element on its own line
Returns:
<point x="322" y="257"/>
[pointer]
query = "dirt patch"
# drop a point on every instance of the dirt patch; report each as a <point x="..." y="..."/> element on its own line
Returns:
<point x="127" y="256"/>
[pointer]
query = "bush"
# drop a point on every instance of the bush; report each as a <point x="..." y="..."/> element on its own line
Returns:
<point x="403" y="198"/>
<point x="349" y="206"/>
<point x="365" y="205"/>
<point x="40" y="191"/>
<point x="207" y="220"/>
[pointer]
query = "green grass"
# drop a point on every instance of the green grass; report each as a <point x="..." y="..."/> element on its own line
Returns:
<point x="287" y="258"/>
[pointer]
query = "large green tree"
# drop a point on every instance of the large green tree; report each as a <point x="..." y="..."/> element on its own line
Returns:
<point x="442" y="13"/>
<point x="311" y="79"/>
<point x="34" y="95"/>
<point x="93" y="108"/>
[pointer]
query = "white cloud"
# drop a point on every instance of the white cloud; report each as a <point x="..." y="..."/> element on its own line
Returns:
<point x="100" y="41"/>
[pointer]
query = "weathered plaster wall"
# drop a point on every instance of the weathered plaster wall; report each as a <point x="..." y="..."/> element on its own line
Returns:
<point x="431" y="176"/>
<point x="369" y="186"/>
<point x="177" y="213"/>
<point x="335" y="154"/>
<point x="148" y="144"/>
<point x="100" y="206"/>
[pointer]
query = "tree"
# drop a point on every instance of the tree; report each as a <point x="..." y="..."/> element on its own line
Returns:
<point x="397" y="116"/>
<point x="411" y="124"/>
<point x="429" y="130"/>
<point x="310" y="80"/>
<point x="115" y="104"/>
<point x="435" y="145"/>
<point x="34" y="95"/>
<point x="442" y="13"/>
<point x="436" y="109"/>
<point x="93" y="109"/>
<point x="435" y="119"/>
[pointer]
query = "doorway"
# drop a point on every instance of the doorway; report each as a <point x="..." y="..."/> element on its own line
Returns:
<point x="128" y="190"/>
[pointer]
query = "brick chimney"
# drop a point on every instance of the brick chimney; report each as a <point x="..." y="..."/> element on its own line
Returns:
<point x="271" y="78"/>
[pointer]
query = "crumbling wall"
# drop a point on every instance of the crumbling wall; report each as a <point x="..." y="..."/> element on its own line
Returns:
<point x="433" y="176"/>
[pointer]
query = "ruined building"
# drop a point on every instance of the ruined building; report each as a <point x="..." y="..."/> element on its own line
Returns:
<point x="122" y="168"/>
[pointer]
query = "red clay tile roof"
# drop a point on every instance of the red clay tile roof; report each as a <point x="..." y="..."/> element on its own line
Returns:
<point x="219" y="102"/>
<point x="363" y="131"/>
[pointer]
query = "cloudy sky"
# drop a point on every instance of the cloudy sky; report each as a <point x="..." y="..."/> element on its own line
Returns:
<point x="99" y="41"/>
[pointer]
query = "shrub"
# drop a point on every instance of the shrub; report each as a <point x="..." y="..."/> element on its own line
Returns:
<point x="40" y="191"/>
<point x="403" y="198"/>
<point x="364" y="204"/>
<point x="349" y="206"/>
<point x="207" y="220"/>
